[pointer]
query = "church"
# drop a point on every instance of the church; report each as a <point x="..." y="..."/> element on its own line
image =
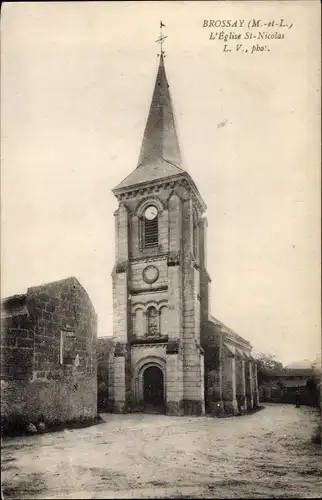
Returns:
<point x="169" y="354"/>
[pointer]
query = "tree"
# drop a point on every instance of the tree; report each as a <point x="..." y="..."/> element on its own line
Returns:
<point x="313" y="384"/>
<point x="267" y="365"/>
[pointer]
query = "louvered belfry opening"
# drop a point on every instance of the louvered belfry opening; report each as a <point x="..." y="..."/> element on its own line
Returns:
<point x="151" y="233"/>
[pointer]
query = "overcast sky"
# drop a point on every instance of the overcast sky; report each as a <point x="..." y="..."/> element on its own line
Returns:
<point x="77" y="80"/>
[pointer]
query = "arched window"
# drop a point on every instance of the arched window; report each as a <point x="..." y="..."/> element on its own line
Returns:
<point x="152" y="318"/>
<point x="150" y="227"/>
<point x="164" y="320"/>
<point x="138" y="326"/>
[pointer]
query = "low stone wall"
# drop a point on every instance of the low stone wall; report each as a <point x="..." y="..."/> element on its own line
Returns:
<point x="50" y="401"/>
<point x="48" y="350"/>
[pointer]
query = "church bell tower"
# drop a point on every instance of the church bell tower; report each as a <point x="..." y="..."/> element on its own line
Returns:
<point x="157" y="361"/>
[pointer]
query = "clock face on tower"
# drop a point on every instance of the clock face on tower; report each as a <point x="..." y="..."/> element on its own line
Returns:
<point x="150" y="274"/>
<point x="151" y="212"/>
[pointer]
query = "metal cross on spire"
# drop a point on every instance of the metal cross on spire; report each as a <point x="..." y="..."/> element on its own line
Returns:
<point x="161" y="39"/>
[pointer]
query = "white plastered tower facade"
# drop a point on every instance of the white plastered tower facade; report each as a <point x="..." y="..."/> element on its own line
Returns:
<point x="157" y="359"/>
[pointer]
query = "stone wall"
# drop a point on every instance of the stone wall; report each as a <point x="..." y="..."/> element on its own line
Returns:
<point x="230" y="371"/>
<point x="137" y="283"/>
<point x="104" y="350"/>
<point x="210" y="341"/>
<point x="193" y="374"/>
<point x="17" y="339"/>
<point x="49" y="367"/>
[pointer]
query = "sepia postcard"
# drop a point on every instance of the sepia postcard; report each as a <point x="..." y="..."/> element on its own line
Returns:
<point x="160" y="249"/>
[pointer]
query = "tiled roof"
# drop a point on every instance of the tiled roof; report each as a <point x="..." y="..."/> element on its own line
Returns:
<point x="226" y="330"/>
<point x="293" y="372"/>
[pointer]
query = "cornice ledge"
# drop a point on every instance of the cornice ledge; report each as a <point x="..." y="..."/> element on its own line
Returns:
<point x="143" y="187"/>
<point x="152" y="258"/>
<point x="148" y="345"/>
<point x="149" y="341"/>
<point x="149" y="290"/>
<point x="198" y="197"/>
<point x="234" y="338"/>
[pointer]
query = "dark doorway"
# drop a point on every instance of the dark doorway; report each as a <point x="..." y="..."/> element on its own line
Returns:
<point x="153" y="390"/>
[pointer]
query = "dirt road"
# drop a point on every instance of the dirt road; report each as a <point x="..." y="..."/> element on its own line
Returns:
<point x="264" y="455"/>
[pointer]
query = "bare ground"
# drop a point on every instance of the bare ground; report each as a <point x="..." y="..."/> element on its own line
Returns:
<point x="265" y="455"/>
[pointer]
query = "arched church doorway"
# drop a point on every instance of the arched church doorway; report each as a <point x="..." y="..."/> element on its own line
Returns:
<point x="153" y="390"/>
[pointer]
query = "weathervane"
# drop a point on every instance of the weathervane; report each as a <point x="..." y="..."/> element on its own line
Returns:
<point x="161" y="39"/>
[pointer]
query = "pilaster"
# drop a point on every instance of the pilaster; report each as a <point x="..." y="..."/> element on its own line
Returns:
<point x="174" y="373"/>
<point x="119" y="392"/>
<point x="120" y="312"/>
<point x="256" y="393"/>
<point x="249" y="384"/>
<point x="241" y="386"/>
<point x="174" y="365"/>
<point x="193" y="381"/>
<point x="214" y="374"/>
<point x="203" y="225"/>
<point x="175" y="291"/>
<point x="123" y="236"/>
<point x="229" y="385"/>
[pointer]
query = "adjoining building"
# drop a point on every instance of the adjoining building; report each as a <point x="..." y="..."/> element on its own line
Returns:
<point x="287" y="385"/>
<point x="48" y="356"/>
<point x="169" y="354"/>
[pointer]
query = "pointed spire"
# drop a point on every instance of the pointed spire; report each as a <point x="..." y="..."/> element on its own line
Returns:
<point x="160" y="139"/>
<point x="160" y="154"/>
